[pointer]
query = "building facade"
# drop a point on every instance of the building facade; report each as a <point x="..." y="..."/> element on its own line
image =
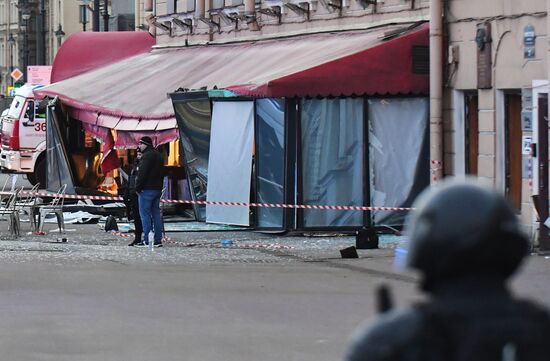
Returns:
<point x="178" y="21"/>
<point x="494" y="57"/>
<point x="31" y="31"/>
<point x="337" y="95"/>
<point x="495" y="53"/>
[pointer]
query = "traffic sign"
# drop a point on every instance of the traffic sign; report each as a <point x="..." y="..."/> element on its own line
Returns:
<point x="16" y="74"/>
<point x="39" y="74"/>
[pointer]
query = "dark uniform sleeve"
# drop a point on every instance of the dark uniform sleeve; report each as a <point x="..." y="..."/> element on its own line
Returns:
<point x="390" y="338"/>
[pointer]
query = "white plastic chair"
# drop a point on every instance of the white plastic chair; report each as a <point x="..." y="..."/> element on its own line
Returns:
<point x="6" y="193"/>
<point x="55" y="207"/>
<point x="27" y="204"/>
<point x="10" y="213"/>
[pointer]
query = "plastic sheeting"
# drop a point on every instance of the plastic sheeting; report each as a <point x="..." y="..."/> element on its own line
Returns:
<point x="332" y="160"/>
<point x="398" y="155"/>
<point x="194" y="121"/>
<point x="270" y="158"/>
<point x="230" y="161"/>
<point x="58" y="167"/>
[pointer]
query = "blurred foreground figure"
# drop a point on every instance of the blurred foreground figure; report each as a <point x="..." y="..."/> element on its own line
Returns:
<point x="466" y="242"/>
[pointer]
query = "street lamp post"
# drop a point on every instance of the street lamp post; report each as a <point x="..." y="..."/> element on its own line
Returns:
<point x="26" y="15"/>
<point x="84" y="13"/>
<point x="95" y="22"/>
<point x="11" y="41"/>
<point x="105" y="15"/>
<point x="41" y="34"/>
<point x="59" y="34"/>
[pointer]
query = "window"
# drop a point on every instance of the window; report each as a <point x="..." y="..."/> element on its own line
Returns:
<point x="399" y="158"/>
<point x="13" y="11"/>
<point x="2" y="12"/>
<point x="3" y="56"/>
<point x="270" y="160"/>
<point x="472" y="132"/>
<point x="185" y="6"/>
<point x="171" y="7"/>
<point x="513" y="149"/>
<point x="218" y="4"/>
<point x="16" y="106"/>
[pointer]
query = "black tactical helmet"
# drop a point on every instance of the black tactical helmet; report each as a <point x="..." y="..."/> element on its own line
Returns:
<point x="460" y="229"/>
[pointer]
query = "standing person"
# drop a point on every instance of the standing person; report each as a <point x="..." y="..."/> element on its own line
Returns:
<point x="149" y="183"/>
<point x="466" y="242"/>
<point x="133" y="204"/>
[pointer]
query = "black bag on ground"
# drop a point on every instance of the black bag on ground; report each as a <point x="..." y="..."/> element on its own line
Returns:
<point x="110" y="224"/>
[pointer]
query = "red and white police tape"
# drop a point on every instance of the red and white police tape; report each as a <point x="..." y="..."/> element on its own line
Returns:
<point x="221" y="203"/>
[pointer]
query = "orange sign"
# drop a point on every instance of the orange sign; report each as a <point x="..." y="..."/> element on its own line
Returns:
<point x="16" y="74"/>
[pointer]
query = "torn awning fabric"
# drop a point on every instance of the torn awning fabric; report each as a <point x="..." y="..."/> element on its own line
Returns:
<point x="131" y="139"/>
<point x="110" y="160"/>
<point x="328" y="64"/>
<point x="128" y="130"/>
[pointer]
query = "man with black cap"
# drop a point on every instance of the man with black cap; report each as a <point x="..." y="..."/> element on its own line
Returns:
<point x="149" y="187"/>
<point x="465" y="241"/>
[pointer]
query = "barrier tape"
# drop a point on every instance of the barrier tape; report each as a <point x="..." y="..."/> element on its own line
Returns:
<point x="220" y="203"/>
<point x="121" y="234"/>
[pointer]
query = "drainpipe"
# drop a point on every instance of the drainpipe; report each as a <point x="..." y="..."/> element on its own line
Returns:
<point x="199" y="9"/>
<point x="543" y="239"/>
<point x="436" y="89"/>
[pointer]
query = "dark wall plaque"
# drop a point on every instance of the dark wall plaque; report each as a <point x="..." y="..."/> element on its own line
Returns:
<point x="484" y="53"/>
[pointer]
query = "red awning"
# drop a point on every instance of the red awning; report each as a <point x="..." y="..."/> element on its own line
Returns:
<point x="85" y="51"/>
<point x="135" y="90"/>
<point x="131" y="139"/>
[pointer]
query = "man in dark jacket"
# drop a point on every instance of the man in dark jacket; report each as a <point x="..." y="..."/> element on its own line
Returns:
<point x="466" y="242"/>
<point x="132" y="201"/>
<point x="149" y="183"/>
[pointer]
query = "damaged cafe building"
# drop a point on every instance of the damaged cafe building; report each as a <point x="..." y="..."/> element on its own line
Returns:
<point x="273" y="102"/>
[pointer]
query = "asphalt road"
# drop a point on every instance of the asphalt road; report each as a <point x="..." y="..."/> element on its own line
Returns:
<point x="262" y="298"/>
<point x="94" y="298"/>
<point x="17" y="180"/>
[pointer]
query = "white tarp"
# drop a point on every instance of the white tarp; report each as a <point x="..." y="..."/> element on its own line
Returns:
<point x="230" y="161"/>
